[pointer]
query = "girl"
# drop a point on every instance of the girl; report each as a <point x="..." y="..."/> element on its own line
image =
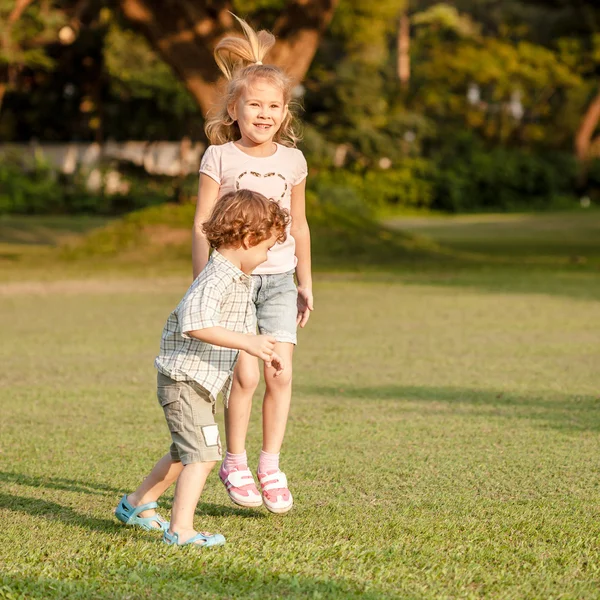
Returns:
<point x="254" y="148"/>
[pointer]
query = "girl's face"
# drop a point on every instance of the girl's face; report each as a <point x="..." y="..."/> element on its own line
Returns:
<point x="259" y="112"/>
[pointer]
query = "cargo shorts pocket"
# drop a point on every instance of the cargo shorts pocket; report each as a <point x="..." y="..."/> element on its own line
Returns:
<point x="169" y="398"/>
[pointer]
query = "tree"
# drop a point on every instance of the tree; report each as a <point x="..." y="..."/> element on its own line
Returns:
<point x="508" y="90"/>
<point x="27" y="27"/>
<point x="185" y="32"/>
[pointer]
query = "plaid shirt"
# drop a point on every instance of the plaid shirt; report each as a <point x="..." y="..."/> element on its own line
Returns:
<point x="221" y="296"/>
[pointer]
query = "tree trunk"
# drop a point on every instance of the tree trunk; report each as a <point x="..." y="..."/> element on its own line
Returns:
<point x="185" y="32"/>
<point x="403" y="44"/>
<point x="583" y="137"/>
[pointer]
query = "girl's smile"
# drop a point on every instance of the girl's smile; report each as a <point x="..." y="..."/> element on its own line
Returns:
<point x="259" y="112"/>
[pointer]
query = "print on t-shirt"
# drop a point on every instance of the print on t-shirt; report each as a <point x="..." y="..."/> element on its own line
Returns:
<point x="240" y="183"/>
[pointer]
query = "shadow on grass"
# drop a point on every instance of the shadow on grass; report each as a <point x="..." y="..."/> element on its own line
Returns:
<point x="173" y="582"/>
<point x="52" y="510"/>
<point x="568" y="412"/>
<point x="59" y="483"/>
<point x="68" y="515"/>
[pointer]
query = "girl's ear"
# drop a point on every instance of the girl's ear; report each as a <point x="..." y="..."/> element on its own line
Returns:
<point x="231" y="111"/>
<point x="286" y="110"/>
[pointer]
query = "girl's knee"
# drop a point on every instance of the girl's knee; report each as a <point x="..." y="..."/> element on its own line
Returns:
<point x="281" y="381"/>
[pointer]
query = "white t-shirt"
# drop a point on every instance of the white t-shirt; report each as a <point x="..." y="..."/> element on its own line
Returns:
<point x="273" y="176"/>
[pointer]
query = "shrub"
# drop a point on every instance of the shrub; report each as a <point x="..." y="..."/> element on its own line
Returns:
<point x="469" y="178"/>
<point x="407" y="185"/>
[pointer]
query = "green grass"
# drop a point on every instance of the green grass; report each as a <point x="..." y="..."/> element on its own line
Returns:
<point x="574" y="235"/>
<point x="443" y="441"/>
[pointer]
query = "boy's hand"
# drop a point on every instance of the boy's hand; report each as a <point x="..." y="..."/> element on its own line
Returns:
<point x="261" y="346"/>
<point x="305" y="305"/>
<point x="276" y="363"/>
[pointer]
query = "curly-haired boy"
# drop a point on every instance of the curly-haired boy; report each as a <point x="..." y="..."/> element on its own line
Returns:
<point x="198" y="351"/>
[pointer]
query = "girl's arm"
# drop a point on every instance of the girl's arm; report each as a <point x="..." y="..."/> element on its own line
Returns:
<point x="301" y="233"/>
<point x="208" y="190"/>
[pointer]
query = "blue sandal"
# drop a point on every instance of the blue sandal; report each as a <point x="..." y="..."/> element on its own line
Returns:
<point x="128" y="514"/>
<point x="216" y="539"/>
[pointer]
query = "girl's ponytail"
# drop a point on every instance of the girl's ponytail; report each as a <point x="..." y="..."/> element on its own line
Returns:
<point x="232" y="53"/>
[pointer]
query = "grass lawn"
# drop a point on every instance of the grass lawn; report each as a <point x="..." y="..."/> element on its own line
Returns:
<point x="443" y="442"/>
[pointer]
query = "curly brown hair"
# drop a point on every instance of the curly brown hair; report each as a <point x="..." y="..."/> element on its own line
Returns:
<point x="245" y="215"/>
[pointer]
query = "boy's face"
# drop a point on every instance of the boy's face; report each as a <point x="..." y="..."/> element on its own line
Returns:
<point x="256" y="255"/>
<point x="259" y="111"/>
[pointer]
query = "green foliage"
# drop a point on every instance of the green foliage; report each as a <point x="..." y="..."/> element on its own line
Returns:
<point x="38" y="189"/>
<point x="503" y="71"/>
<point x="34" y="192"/>
<point x="363" y="27"/>
<point x="24" y="43"/>
<point x="136" y="71"/>
<point x="470" y="178"/>
<point x="407" y="185"/>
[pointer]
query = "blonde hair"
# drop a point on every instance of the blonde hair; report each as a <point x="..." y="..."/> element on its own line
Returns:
<point x="240" y="60"/>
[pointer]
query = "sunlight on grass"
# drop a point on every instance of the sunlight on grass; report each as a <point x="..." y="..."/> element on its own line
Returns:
<point x="461" y="427"/>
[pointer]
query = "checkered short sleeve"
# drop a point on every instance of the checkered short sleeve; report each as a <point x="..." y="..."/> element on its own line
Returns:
<point x="201" y="309"/>
<point x="250" y="319"/>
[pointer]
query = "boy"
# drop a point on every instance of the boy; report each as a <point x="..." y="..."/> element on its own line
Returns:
<point x="198" y="351"/>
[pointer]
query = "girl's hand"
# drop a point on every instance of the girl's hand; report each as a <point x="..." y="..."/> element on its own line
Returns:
<point x="305" y="305"/>
<point x="276" y="363"/>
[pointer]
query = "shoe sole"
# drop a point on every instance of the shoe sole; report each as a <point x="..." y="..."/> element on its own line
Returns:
<point x="279" y="511"/>
<point x="253" y="504"/>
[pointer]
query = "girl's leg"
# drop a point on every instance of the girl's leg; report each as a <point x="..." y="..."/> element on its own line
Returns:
<point x="237" y="415"/>
<point x="162" y="476"/>
<point x="276" y="406"/>
<point x="234" y="471"/>
<point x="276" y="403"/>
<point x="187" y="493"/>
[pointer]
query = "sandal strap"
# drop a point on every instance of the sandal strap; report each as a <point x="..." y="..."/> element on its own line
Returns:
<point x="196" y="538"/>
<point x="173" y="538"/>
<point x="141" y="508"/>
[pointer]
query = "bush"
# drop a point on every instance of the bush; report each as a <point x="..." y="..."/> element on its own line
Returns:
<point x="408" y="185"/>
<point x="39" y="189"/>
<point x="470" y="178"/>
<point x="27" y="193"/>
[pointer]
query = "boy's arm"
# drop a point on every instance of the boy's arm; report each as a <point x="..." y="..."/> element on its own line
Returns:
<point x="208" y="190"/>
<point x="301" y="234"/>
<point x="261" y="346"/>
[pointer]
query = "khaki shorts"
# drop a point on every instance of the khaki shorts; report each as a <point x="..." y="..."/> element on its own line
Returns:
<point x="189" y="411"/>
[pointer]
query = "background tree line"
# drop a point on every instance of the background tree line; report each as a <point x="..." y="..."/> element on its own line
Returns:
<point x="463" y="105"/>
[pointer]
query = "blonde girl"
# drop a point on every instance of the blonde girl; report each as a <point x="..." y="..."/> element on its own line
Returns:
<point x="253" y="147"/>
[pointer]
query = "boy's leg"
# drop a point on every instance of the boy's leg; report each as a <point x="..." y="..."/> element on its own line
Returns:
<point x="187" y="493"/>
<point x="163" y="475"/>
<point x="237" y="414"/>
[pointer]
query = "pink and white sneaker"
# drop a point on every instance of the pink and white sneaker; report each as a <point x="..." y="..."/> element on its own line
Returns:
<point x="276" y="496"/>
<point x="240" y="486"/>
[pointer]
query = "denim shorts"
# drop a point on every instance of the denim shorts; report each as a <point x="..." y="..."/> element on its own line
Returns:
<point x="190" y="414"/>
<point x="275" y="300"/>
